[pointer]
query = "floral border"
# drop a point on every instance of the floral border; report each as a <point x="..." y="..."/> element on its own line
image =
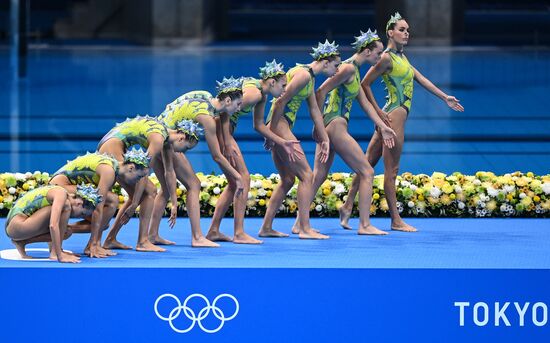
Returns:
<point x="439" y="195"/>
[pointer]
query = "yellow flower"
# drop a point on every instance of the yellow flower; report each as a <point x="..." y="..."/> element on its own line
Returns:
<point x="438" y="175"/>
<point x="384" y="205"/>
<point x="536" y="198"/>
<point x="25" y="186"/>
<point x="292" y="206"/>
<point x="121" y="199"/>
<point x="376" y="196"/>
<point x="268" y="194"/>
<point x="530" y="174"/>
<point x="421" y="197"/>
<point x="509" y="197"/>
<point x="339" y="204"/>
<point x="1" y="198"/>
<point x="491" y="205"/>
<point x="447" y="188"/>
<point x="439" y="183"/>
<point x="372" y="209"/>
<point x="452" y="196"/>
<point x="526" y="201"/>
<point x="445" y="199"/>
<point x="261" y="202"/>
<point x="337" y="176"/>
<point x="419" y="191"/>
<point x="213" y="201"/>
<point x="326" y="191"/>
<point x="267" y="184"/>
<point x="179" y="192"/>
<point x="520" y="182"/>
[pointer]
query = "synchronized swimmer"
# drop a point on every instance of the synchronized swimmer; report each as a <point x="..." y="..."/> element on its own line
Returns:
<point x="83" y="188"/>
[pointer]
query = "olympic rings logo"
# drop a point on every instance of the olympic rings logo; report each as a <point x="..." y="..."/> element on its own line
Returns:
<point x="196" y="318"/>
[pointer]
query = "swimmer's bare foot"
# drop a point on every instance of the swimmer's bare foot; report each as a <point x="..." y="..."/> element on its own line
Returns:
<point x="370" y="230"/>
<point x="216" y="236"/>
<point x="312" y="234"/>
<point x="148" y="246"/>
<point x="271" y="233"/>
<point x="244" y="238"/>
<point x="20" y="246"/>
<point x="160" y="241"/>
<point x="402" y="226"/>
<point x="344" y="218"/>
<point x="296" y="229"/>
<point x="203" y="242"/>
<point x="114" y="244"/>
<point x="98" y="252"/>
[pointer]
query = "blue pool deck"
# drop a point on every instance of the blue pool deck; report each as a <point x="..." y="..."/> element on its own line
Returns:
<point x="440" y="244"/>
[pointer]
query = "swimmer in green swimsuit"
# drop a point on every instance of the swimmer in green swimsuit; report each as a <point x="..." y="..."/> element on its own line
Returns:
<point x="101" y="171"/>
<point x="342" y="89"/>
<point x="201" y="108"/>
<point x="160" y="142"/>
<point x="42" y="215"/>
<point x="300" y="86"/>
<point x="255" y="92"/>
<point x="398" y="75"/>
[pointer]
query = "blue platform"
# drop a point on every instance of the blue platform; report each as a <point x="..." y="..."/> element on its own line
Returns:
<point x="440" y="243"/>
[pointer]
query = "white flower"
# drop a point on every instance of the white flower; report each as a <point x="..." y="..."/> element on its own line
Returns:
<point x="435" y="192"/>
<point x="28" y="174"/>
<point x="461" y="205"/>
<point x="282" y="208"/>
<point x="19" y="176"/>
<point x="546" y="188"/>
<point x="480" y="204"/>
<point x="216" y="190"/>
<point x="492" y="192"/>
<point x="509" y="188"/>
<point x="410" y="204"/>
<point x="503" y="208"/>
<point x="339" y="189"/>
<point x="345" y="198"/>
<point x="318" y="208"/>
<point x="1" y="205"/>
<point x="458" y="189"/>
<point x="477" y="182"/>
<point x="256" y="184"/>
<point x="181" y="186"/>
<point x="400" y="206"/>
<point x="250" y="196"/>
<point x="522" y="195"/>
<point x="262" y="192"/>
<point x="123" y="192"/>
<point x="204" y="184"/>
<point x="413" y="188"/>
<point x="405" y="183"/>
<point x="11" y="190"/>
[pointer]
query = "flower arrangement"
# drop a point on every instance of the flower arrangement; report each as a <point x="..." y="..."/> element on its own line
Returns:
<point x="439" y="195"/>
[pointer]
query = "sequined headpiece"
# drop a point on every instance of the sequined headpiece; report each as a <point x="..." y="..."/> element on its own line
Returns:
<point x="137" y="156"/>
<point x="393" y="19"/>
<point x="229" y="85"/>
<point x="325" y="49"/>
<point x="190" y="127"/>
<point x="89" y="193"/>
<point x="271" y="69"/>
<point x="364" y="39"/>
